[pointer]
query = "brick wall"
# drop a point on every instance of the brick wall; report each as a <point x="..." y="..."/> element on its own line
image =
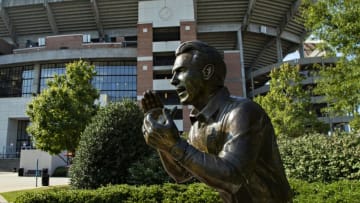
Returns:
<point x="145" y="36"/>
<point x="187" y="31"/>
<point x="186" y="119"/>
<point x="144" y="76"/>
<point x="64" y="41"/>
<point x="233" y="78"/>
<point x="145" y="63"/>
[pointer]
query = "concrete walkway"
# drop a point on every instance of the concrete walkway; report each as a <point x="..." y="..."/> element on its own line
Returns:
<point x="10" y="181"/>
<point x="2" y="200"/>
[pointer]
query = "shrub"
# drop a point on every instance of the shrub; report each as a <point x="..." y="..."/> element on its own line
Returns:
<point x="109" y="145"/>
<point x="322" y="158"/>
<point x="341" y="191"/>
<point x="147" y="171"/>
<point x="124" y="193"/>
<point x="61" y="171"/>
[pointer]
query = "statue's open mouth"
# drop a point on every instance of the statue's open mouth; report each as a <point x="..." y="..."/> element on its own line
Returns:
<point x="180" y="90"/>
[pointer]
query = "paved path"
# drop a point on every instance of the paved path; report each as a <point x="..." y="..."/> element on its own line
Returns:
<point x="2" y="200"/>
<point x="11" y="182"/>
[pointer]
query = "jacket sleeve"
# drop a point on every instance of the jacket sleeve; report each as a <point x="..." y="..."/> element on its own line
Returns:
<point x="173" y="168"/>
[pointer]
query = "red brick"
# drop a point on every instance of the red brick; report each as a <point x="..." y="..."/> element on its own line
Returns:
<point x="186" y="119"/>
<point x="187" y="35"/>
<point x="64" y="41"/>
<point x="144" y="77"/>
<point x="145" y="39"/>
<point x="233" y="78"/>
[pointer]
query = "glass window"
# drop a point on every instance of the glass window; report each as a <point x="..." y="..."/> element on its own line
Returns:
<point x="48" y="71"/>
<point x="116" y="79"/>
<point x="163" y="59"/>
<point x="27" y="80"/>
<point x="23" y="140"/>
<point x="166" y="34"/>
<point x="16" y="81"/>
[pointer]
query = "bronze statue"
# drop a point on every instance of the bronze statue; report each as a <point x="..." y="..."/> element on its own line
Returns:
<point x="231" y="146"/>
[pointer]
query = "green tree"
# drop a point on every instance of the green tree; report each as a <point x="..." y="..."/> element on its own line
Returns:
<point x="109" y="145"/>
<point x="336" y="23"/>
<point x="60" y="113"/>
<point x="288" y="104"/>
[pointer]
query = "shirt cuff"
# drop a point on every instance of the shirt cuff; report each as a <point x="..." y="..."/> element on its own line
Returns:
<point x="178" y="151"/>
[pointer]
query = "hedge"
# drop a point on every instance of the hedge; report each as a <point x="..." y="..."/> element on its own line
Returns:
<point x="125" y="193"/>
<point x="340" y="191"/>
<point x="322" y="158"/>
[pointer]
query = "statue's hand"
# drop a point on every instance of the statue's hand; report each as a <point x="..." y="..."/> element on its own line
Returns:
<point x="160" y="133"/>
<point x="150" y="101"/>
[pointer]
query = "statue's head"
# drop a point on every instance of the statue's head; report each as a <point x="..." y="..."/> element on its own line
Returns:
<point x="198" y="72"/>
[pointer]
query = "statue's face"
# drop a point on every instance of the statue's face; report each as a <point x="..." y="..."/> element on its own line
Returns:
<point x="188" y="80"/>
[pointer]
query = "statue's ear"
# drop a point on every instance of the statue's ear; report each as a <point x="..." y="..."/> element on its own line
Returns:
<point x="208" y="71"/>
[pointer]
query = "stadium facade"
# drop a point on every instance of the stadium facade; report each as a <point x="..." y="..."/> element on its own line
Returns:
<point x="132" y="43"/>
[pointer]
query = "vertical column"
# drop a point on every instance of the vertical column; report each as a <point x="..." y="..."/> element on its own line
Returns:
<point x="242" y="66"/>
<point x="301" y="49"/>
<point x="233" y="78"/>
<point x="144" y="59"/>
<point x="36" y="79"/>
<point x="252" y="83"/>
<point x="187" y="31"/>
<point x="279" y="49"/>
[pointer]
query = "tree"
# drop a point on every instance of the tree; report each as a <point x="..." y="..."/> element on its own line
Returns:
<point x="336" y="23"/>
<point x="60" y="113"/>
<point x="288" y="104"/>
<point x="110" y="144"/>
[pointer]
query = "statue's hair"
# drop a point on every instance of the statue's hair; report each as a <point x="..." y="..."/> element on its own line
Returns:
<point x="204" y="54"/>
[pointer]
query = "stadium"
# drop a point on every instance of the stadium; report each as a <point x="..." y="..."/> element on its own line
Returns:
<point x="132" y="43"/>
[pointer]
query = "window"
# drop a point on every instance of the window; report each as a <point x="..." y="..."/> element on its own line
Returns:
<point x="27" y="80"/>
<point x="166" y="34"/>
<point x="164" y="59"/>
<point x="23" y="140"/>
<point x="116" y="79"/>
<point x="48" y="71"/>
<point x="16" y="81"/>
<point x="86" y="38"/>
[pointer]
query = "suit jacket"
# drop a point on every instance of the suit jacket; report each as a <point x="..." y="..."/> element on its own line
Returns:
<point x="232" y="148"/>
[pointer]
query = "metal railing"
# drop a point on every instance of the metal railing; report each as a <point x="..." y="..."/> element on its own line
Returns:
<point x="9" y="155"/>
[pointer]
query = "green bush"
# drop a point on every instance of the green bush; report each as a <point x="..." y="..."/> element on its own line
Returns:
<point x="148" y="171"/>
<point x="322" y="158"/>
<point x="124" y="193"/>
<point x="109" y="145"/>
<point x="61" y="171"/>
<point x="341" y="191"/>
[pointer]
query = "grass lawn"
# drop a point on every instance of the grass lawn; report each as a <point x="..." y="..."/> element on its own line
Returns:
<point x="11" y="196"/>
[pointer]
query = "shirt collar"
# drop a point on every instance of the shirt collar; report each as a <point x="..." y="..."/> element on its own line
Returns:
<point x="211" y="107"/>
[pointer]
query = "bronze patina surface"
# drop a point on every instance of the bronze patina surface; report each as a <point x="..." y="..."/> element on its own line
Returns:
<point x="231" y="146"/>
